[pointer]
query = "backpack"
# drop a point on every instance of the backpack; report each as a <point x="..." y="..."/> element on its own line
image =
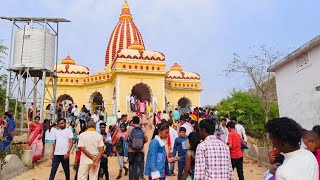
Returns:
<point x="119" y="146"/>
<point x="136" y="140"/>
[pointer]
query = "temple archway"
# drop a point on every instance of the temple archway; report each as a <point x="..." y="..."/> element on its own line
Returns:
<point x="184" y="102"/>
<point x="142" y="92"/>
<point x="64" y="98"/>
<point x="96" y="100"/>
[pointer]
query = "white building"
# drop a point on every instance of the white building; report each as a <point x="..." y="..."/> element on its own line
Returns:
<point x="298" y="84"/>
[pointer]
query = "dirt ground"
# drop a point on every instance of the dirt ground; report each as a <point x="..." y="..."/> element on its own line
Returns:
<point x="252" y="170"/>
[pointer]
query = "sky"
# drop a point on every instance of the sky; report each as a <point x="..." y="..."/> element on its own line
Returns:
<point x="200" y="35"/>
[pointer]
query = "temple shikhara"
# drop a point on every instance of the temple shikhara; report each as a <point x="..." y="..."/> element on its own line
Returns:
<point x="132" y="74"/>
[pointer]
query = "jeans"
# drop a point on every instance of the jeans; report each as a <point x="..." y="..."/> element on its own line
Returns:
<point x="104" y="167"/>
<point x="180" y="169"/>
<point x="238" y="163"/>
<point x="136" y="165"/>
<point x="57" y="159"/>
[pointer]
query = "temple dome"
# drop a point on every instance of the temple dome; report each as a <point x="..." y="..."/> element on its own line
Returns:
<point x="124" y="34"/>
<point x="177" y="72"/>
<point x="68" y="67"/>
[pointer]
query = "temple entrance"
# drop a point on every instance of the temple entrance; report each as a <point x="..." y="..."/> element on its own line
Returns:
<point x="96" y="101"/>
<point x="63" y="103"/>
<point x="141" y="99"/>
<point x="184" y="104"/>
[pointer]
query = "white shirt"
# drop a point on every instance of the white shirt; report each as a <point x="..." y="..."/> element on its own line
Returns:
<point x="224" y="136"/>
<point x="298" y="165"/>
<point x="62" y="141"/>
<point x="242" y="132"/>
<point x="50" y="136"/>
<point x="119" y="115"/>
<point x="75" y="112"/>
<point x="189" y="128"/>
<point x="173" y="136"/>
<point x="165" y="116"/>
<point x="95" y="117"/>
<point x="91" y="141"/>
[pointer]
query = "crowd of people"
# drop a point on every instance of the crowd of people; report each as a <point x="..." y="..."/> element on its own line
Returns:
<point x="191" y="146"/>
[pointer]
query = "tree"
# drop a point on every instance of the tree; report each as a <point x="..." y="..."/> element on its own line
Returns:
<point x="254" y="69"/>
<point x="248" y="109"/>
<point x="3" y="53"/>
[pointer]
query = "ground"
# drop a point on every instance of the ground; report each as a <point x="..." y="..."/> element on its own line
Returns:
<point x="42" y="171"/>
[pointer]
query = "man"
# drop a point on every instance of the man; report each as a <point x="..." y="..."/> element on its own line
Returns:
<point x="119" y="114"/>
<point x="240" y="129"/>
<point x="224" y="130"/>
<point x="185" y="124"/>
<point x="95" y="116"/>
<point x="164" y="115"/>
<point x="69" y="115"/>
<point x="75" y="113"/>
<point x="124" y="119"/>
<point x="234" y="143"/>
<point x="62" y="147"/>
<point x="92" y="147"/>
<point x="83" y="118"/>
<point x="285" y="135"/>
<point x="176" y="115"/>
<point x="136" y="156"/>
<point x="8" y="134"/>
<point x="212" y="155"/>
<point x="30" y="112"/>
<point x="101" y="118"/>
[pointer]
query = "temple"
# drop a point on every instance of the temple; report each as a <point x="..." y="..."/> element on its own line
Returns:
<point x="132" y="74"/>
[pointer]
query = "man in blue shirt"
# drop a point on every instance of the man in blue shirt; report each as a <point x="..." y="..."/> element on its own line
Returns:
<point x="181" y="146"/>
<point x="8" y="134"/>
<point x="176" y="115"/>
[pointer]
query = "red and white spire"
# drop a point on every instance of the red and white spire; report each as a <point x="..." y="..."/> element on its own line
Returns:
<point x="123" y="35"/>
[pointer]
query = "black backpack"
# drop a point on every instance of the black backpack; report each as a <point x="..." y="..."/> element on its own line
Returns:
<point x="136" y="140"/>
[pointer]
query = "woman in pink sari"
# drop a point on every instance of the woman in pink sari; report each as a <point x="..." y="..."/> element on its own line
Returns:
<point x="35" y="139"/>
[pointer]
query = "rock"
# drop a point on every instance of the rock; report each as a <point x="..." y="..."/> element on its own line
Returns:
<point x="12" y="168"/>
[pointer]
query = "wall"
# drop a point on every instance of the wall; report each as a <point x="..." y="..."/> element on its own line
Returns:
<point x="174" y="95"/>
<point x="296" y="92"/>
<point x="154" y="81"/>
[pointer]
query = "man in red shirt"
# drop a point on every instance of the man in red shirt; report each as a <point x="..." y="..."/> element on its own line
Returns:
<point x="234" y="143"/>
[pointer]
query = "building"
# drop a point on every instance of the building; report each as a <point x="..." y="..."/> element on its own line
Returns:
<point x="129" y="69"/>
<point x="297" y="79"/>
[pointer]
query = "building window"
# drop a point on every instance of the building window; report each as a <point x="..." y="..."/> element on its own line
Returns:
<point x="158" y="68"/>
<point x="77" y="81"/>
<point x="147" y="68"/>
<point x="71" y="80"/>
<point x="303" y="62"/>
<point x="66" y="80"/>
<point x="152" y="68"/>
<point x="130" y="67"/>
<point x="124" y="67"/>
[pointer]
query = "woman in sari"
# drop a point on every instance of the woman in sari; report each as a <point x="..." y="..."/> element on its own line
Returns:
<point x="35" y="139"/>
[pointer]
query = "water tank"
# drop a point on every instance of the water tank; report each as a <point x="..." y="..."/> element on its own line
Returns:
<point x="34" y="48"/>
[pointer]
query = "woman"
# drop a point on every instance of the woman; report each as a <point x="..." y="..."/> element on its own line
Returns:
<point x="157" y="166"/>
<point x="49" y="113"/>
<point x="194" y="140"/>
<point x="35" y="139"/>
<point x="122" y="149"/>
<point x="49" y="140"/>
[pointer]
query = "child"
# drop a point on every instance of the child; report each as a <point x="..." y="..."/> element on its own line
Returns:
<point x="157" y="166"/>
<point x="122" y="149"/>
<point x="194" y="140"/>
<point x="104" y="159"/>
<point x="180" y="145"/>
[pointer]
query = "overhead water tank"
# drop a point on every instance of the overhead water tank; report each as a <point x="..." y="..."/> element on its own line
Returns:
<point x="34" y="48"/>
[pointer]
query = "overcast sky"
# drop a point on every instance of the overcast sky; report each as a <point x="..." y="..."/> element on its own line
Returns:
<point x="200" y="35"/>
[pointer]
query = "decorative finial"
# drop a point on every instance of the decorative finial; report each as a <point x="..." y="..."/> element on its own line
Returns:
<point x="125" y="14"/>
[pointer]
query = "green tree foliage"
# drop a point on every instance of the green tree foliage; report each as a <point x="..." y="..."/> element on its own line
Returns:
<point x="249" y="111"/>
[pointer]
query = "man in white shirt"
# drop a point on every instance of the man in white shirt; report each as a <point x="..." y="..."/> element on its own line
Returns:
<point x="75" y="113"/>
<point x="92" y="147"/>
<point x="240" y="130"/>
<point x="119" y="114"/>
<point x="164" y="115"/>
<point x="224" y="130"/>
<point x="98" y="124"/>
<point x="185" y="124"/>
<point x="298" y="164"/>
<point x="63" y="144"/>
<point x="95" y="116"/>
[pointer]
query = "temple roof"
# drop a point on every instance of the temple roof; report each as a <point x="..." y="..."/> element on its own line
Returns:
<point x="68" y="67"/>
<point x="123" y="35"/>
<point x="177" y="72"/>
